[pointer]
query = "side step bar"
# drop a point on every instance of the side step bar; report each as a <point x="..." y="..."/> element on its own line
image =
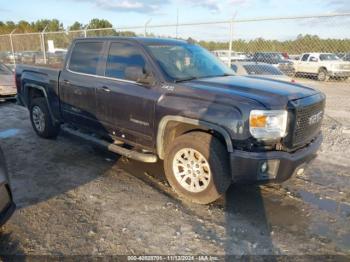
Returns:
<point x="147" y="158"/>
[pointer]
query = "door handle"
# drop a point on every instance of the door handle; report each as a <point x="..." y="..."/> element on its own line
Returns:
<point x="66" y="82"/>
<point x="105" y="88"/>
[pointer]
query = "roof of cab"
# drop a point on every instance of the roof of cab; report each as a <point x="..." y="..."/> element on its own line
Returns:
<point x="141" y="40"/>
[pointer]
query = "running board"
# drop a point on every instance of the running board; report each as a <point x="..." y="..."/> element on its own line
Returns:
<point x="147" y="158"/>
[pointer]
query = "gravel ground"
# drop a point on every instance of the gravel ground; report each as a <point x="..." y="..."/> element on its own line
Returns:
<point x="75" y="200"/>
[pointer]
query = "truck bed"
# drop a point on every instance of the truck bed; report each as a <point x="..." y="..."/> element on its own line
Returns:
<point x="36" y="75"/>
<point x="45" y="78"/>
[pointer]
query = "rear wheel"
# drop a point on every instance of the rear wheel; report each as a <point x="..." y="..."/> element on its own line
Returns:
<point x="323" y="75"/>
<point x="41" y="119"/>
<point x="196" y="166"/>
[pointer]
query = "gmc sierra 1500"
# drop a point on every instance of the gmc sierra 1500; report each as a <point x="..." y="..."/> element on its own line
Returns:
<point x="148" y="98"/>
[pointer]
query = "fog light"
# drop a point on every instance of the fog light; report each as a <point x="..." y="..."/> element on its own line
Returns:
<point x="263" y="167"/>
<point x="268" y="169"/>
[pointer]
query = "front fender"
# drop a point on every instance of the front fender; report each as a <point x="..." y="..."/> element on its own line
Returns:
<point x="180" y="119"/>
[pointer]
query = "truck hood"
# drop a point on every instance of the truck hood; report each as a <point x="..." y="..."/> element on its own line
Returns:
<point x="273" y="94"/>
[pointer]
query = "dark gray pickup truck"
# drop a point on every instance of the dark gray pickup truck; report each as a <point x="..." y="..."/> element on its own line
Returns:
<point x="151" y="99"/>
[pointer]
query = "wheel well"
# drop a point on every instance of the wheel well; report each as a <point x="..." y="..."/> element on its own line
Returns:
<point x="175" y="129"/>
<point x="35" y="93"/>
<point x="322" y="67"/>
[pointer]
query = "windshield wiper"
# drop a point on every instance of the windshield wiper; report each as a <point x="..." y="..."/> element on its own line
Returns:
<point x="186" y="79"/>
<point x="220" y="75"/>
<point x="198" y="77"/>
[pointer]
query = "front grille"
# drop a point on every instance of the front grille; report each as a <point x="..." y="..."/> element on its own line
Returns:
<point x="306" y="122"/>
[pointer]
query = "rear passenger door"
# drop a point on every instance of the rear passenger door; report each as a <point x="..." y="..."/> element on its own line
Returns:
<point x="127" y="108"/>
<point x="78" y="82"/>
<point x="312" y="65"/>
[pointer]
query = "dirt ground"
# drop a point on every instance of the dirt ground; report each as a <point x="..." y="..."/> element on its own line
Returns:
<point x="75" y="200"/>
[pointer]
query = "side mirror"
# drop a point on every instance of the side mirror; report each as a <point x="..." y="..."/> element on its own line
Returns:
<point x="136" y="73"/>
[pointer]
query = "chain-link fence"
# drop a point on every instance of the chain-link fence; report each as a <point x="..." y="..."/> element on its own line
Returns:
<point x="268" y="43"/>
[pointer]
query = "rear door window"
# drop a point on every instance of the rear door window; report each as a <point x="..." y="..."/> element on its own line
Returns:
<point x="85" y="57"/>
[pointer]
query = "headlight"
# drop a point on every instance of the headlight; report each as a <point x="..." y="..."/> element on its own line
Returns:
<point x="268" y="124"/>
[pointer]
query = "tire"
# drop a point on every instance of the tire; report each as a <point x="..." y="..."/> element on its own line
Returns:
<point x="216" y="168"/>
<point x="322" y="75"/>
<point x="41" y="119"/>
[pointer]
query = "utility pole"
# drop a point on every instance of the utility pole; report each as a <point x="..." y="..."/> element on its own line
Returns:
<point x="231" y="40"/>
<point x="146" y="25"/>
<point x="177" y="22"/>
<point x="43" y="48"/>
<point x="12" y="48"/>
<point x="85" y="31"/>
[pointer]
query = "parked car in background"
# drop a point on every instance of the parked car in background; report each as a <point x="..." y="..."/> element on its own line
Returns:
<point x="7" y="206"/>
<point x="168" y="99"/>
<point x="276" y="59"/>
<point x="37" y="57"/>
<point x="56" y="58"/>
<point x="9" y="57"/>
<point x="28" y="57"/>
<point x="340" y="55"/>
<point x="260" y="70"/>
<point x="294" y="57"/>
<point x="322" y="65"/>
<point x="3" y="56"/>
<point x="285" y="55"/>
<point x="224" y="55"/>
<point x="346" y="57"/>
<point x="8" y="88"/>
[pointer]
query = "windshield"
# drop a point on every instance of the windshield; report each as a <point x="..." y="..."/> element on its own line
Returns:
<point x="329" y="57"/>
<point x="4" y="70"/>
<point x="262" y="70"/>
<point x="187" y="61"/>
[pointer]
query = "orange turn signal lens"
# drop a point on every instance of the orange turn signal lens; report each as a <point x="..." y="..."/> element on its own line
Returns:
<point x="257" y="121"/>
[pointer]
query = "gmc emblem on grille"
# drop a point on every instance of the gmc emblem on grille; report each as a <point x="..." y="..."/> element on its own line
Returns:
<point x="314" y="119"/>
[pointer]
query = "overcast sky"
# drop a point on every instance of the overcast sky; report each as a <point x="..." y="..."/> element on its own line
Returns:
<point x="137" y="12"/>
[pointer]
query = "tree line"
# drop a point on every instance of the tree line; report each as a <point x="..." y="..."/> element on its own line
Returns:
<point x="301" y="44"/>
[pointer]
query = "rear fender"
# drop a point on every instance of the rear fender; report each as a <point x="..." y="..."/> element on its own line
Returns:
<point x="30" y="87"/>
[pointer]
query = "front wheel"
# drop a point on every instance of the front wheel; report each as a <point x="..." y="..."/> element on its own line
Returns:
<point x="41" y="119"/>
<point x="322" y="75"/>
<point x="196" y="167"/>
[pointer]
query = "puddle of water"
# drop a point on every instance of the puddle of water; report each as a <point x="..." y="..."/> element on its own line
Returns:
<point x="328" y="205"/>
<point x="9" y="133"/>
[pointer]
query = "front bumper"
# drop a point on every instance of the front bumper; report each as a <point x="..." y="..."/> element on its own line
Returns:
<point x="246" y="166"/>
<point x="7" y="207"/>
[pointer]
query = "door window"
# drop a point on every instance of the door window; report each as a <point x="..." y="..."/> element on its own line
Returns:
<point x="305" y="57"/>
<point x="121" y="56"/>
<point x="85" y="57"/>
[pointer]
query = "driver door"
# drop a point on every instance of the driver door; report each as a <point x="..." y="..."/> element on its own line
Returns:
<point x="126" y="107"/>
